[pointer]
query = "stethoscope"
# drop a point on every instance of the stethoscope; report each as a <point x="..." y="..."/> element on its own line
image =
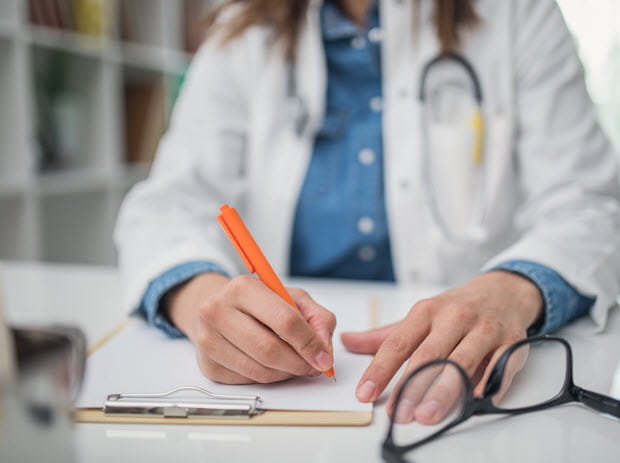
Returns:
<point x="475" y="231"/>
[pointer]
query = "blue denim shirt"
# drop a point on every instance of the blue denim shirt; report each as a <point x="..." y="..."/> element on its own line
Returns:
<point x="343" y="193"/>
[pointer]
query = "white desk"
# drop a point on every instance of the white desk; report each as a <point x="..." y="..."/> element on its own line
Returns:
<point x="89" y="298"/>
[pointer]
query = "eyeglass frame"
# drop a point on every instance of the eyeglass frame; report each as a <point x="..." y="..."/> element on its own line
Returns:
<point x="483" y="405"/>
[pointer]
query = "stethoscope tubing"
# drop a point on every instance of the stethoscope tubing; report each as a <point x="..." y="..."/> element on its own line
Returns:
<point x="459" y="59"/>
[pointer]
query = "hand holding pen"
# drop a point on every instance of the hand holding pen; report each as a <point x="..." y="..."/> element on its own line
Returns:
<point x="245" y="333"/>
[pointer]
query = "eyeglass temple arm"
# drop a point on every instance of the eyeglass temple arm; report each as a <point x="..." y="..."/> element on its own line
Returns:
<point x="599" y="402"/>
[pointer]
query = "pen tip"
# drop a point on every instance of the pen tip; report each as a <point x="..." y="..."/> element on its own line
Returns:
<point x="333" y="378"/>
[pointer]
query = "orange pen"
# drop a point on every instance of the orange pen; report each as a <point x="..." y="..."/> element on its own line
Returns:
<point x="254" y="259"/>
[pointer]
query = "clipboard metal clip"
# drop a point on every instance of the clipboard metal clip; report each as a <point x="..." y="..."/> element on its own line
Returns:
<point x="164" y="405"/>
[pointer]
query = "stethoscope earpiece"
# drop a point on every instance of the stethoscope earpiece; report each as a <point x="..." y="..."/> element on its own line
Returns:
<point x="297" y="107"/>
<point x="299" y="115"/>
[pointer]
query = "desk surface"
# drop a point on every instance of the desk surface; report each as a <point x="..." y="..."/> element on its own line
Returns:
<point x="89" y="297"/>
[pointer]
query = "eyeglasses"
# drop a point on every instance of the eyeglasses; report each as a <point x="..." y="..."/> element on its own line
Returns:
<point x="439" y="395"/>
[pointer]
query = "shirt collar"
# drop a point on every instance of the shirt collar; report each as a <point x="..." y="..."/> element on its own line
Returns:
<point x="336" y="25"/>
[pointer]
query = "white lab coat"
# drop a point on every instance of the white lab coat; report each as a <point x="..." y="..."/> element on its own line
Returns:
<point x="550" y="177"/>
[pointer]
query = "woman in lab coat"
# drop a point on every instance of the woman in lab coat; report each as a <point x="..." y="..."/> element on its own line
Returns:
<point x="519" y="216"/>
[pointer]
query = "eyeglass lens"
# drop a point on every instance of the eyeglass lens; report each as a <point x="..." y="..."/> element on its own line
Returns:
<point x="436" y="395"/>
<point x="433" y="398"/>
<point x="535" y="373"/>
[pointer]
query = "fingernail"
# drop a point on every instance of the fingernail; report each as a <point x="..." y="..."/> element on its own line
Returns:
<point x="404" y="412"/>
<point x="366" y="391"/>
<point x="323" y="361"/>
<point x="315" y="373"/>
<point x="426" y="411"/>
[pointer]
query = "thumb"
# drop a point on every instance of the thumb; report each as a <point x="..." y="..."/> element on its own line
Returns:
<point x="366" y="342"/>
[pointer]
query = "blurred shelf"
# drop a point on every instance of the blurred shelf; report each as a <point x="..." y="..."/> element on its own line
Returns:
<point x="138" y="55"/>
<point x="72" y="42"/>
<point x="81" y="114"/>
<point x="10" y="188"/>
<point x="8" y="30"/>
<point x="153" y="58"/>
<point x="73" y="181"/>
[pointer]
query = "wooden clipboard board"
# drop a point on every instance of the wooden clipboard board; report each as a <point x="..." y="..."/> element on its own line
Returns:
<point x="267" y="418"/>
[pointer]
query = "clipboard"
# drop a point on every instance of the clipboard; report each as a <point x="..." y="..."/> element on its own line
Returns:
<point x="220" y="409"/>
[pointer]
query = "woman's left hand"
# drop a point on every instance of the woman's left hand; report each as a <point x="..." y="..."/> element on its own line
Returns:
<point x="471" y="325"/>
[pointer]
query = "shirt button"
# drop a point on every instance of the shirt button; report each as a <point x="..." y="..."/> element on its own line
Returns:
<point x="376" y="104"/>
<point x="375" y="35"/>
<point x="365" y="225"/>
<point x="366" y="156"/>
<point x="366" y="253"/>
<point x="358" y="42"/>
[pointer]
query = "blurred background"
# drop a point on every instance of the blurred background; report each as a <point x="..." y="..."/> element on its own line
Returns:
<point x="86" y="90"/>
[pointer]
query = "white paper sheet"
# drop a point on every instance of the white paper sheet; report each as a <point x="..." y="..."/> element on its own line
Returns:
<point x="141" y="359"/>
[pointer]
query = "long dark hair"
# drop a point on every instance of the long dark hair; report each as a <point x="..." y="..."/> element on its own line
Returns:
<point x="286" y="18"/>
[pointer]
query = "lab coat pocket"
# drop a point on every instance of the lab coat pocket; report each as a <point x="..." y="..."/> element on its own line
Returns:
<point x="452" y="176"/>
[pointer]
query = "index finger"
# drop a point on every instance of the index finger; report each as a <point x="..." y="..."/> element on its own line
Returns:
<point x="396" y="348"/>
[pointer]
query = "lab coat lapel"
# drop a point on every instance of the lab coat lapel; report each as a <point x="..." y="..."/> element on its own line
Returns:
<point x="293" y="152"/>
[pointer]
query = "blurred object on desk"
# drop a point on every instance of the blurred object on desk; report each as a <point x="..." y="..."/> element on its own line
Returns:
<point x="7" y="359"/>
<point x="41" y="371"/>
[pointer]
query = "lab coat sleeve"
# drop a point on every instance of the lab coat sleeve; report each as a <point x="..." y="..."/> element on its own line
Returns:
<point x="169" y="218"/>
<point x="569" y="218"/>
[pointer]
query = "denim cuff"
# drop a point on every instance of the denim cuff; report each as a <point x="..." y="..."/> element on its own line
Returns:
<point x="150" y="306"/>
<point x="562" y="302"/>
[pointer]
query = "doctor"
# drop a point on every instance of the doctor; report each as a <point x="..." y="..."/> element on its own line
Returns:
<point x="350" y="156"/>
